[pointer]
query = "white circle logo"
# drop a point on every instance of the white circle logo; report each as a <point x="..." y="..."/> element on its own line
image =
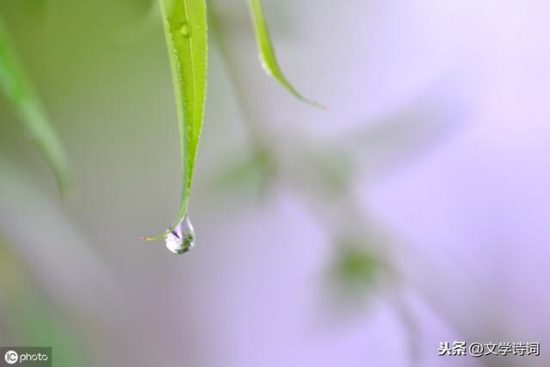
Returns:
<point x="11" y="357"/>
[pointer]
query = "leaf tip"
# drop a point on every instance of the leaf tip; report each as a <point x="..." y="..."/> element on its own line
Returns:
<point x="315" y="104"/>
<point x="152" y="238"/>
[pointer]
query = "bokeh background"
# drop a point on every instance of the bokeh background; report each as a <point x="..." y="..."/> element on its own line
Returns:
<point x="413" y="211"/>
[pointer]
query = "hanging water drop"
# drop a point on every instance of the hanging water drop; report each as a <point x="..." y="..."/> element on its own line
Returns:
<point x="182" y="238"/>
<point x="185" y="31"/>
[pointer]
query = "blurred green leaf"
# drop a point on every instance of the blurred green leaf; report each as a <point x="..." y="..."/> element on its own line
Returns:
<point x="359" y="267"/>
<point x="330" y="169"/>
<point x="356" y="266"/>
<point x="17" y="88"/>
<point x="143" y="27"/>
<point x="253" y="171"/>
<point x="33" y="319"/>
<point x="187" y="37"/>
<point x="268" y="57"/>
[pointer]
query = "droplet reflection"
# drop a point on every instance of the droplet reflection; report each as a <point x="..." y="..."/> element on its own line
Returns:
<point x="182" y="238"/>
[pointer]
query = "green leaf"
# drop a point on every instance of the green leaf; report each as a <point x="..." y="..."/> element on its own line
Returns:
<point x="360" y="267"/>
<point x="268" y="57"/>
<point x="253" y="171"/>
<point x="34" y="320"/>
<point x="17" y="88"/>
<point x="187" y="38"/>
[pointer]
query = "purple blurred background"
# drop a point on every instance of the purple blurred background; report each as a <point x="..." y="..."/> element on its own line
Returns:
<point x="414" y="211"/>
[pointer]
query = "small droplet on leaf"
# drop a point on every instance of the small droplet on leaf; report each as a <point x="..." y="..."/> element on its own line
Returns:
<point x="185" y="31"/>
<point x="182" y="238"/>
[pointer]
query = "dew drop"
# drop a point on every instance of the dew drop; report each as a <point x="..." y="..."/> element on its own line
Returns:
<point x="185" y="31"/>
<point x="182" y="238"/>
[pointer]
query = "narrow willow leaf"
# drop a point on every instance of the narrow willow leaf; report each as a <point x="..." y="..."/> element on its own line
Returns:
<point x="19" y="91"/>
<point x="187" y="38"/>
<point x="268" y="57"/>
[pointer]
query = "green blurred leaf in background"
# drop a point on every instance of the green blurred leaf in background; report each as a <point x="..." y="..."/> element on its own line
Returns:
<point x="17" y="88"/>
<point x="32" y="318"/>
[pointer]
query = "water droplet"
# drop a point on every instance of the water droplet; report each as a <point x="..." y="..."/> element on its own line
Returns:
<point x="182" y="238"/>
<point x="185" y="31"/>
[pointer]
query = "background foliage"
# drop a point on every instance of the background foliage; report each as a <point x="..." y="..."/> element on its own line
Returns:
<point x="412" y="212"/>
